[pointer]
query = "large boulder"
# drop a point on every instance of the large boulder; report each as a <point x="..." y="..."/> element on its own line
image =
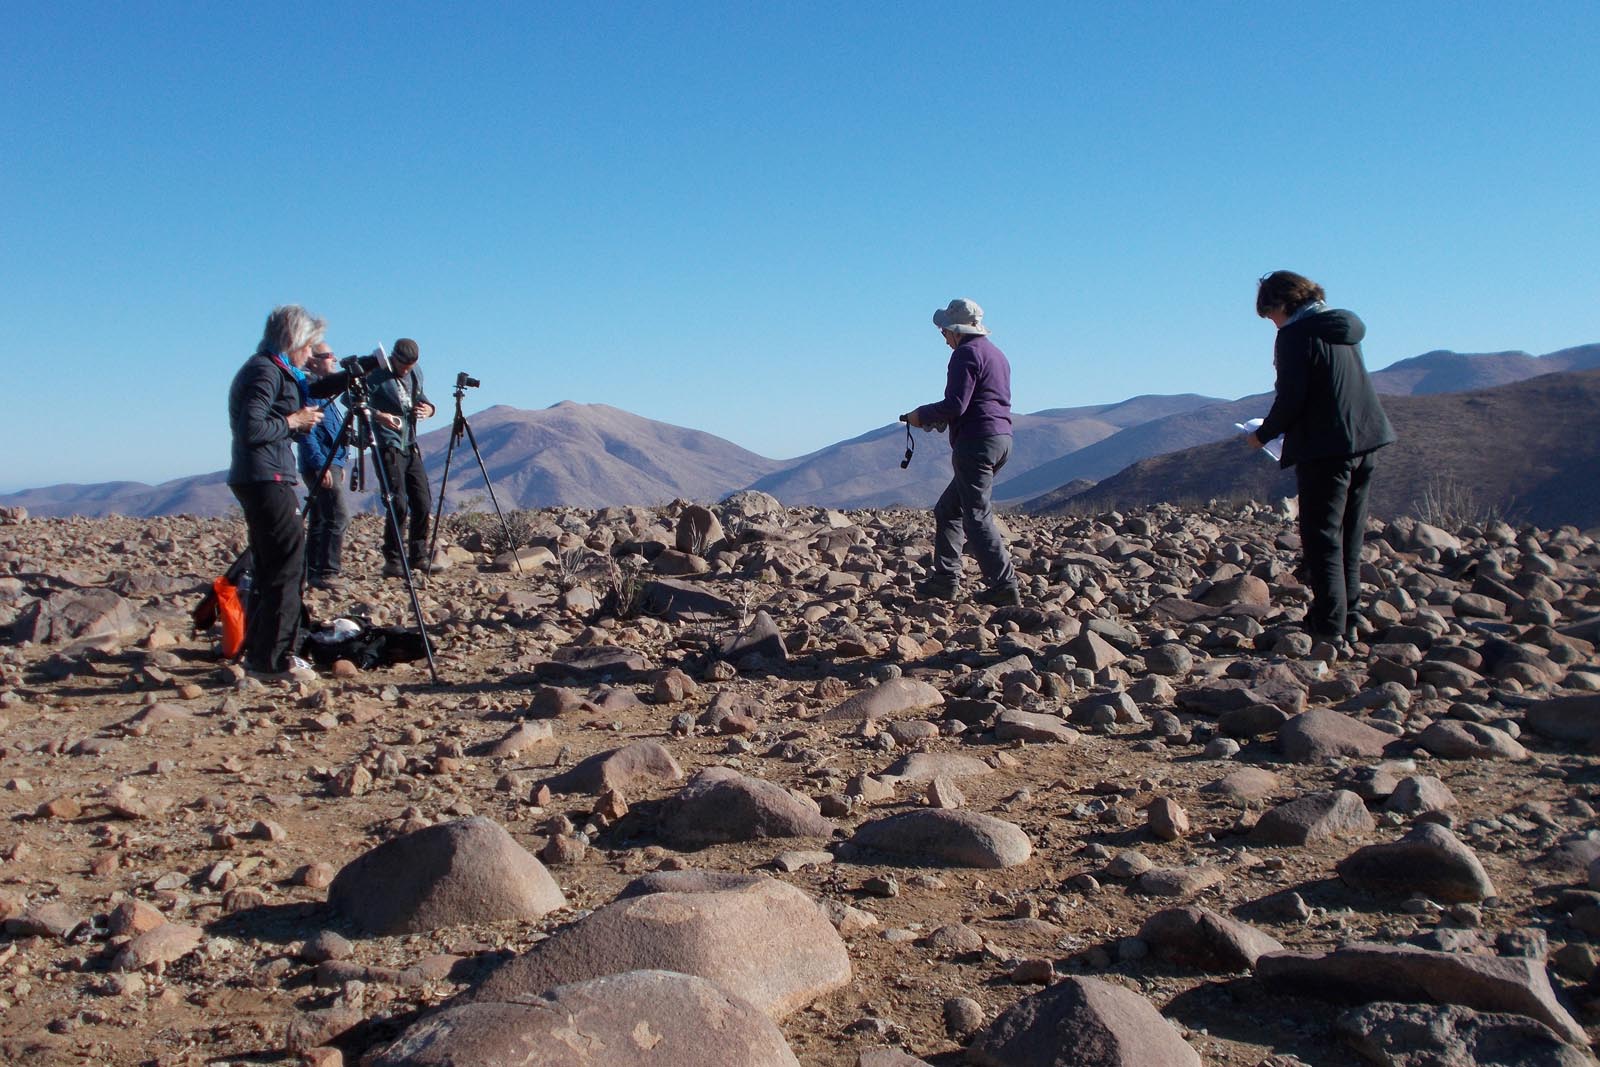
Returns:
<point x="920" y="768"/>
<point x="1201" y="938"/>
<point x="468" y="871"/>
<point x="698" y="529"/>
<point x="1322" y="734"/>
<point x="942" y="837"/>
<point x="1423" y="1035"/>
<point x="720" y="804"/>
<point x="1430" y="860"/>
<point x="1015" y="724"/>
<point x="1566" y="718"/>
<point x="1082" y="1022"/>
<point x="1449" y="739"/>
<point x="890" y="698"/>
<point x="1314" y="817"/>
<point x="680" y="601"/>
<point x="638" y="1019"/>
<point x="628" y="770"/>
<point x="73" y="614"/>
<point x="1366" y="973"/>
<point x="761" y="638"/>
<point x="766" y="939"/>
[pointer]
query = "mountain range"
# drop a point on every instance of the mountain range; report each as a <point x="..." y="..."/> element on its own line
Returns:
<point x="593" y="455"/>
<point x="1527" y="451"/>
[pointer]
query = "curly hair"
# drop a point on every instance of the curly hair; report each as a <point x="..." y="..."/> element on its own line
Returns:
<point x="1285" y="290"/>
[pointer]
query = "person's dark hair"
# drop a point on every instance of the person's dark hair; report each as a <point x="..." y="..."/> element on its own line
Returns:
<point x="1287" y="290"/>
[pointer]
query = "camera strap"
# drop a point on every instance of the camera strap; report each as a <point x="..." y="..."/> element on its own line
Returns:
<point x="911" y="448"/>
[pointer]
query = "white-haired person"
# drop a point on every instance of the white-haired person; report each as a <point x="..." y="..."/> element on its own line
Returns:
<point x="269" y="405"/>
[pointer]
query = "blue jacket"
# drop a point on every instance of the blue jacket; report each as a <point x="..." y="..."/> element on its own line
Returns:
<point x="315" y="446"/>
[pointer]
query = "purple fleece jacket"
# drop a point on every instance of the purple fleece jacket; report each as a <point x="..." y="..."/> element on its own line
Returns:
<point x="977" y="393"/>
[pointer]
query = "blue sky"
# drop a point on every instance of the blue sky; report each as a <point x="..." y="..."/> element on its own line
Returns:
<point x="740" y="217"/>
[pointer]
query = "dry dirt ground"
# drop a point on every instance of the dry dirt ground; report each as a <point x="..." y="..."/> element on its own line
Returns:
<point x="212" y="810"/>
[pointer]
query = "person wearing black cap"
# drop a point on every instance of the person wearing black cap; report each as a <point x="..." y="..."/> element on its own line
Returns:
<point x="398" y="402"/>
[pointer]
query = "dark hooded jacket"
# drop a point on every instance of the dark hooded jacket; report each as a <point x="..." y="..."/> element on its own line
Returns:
<point x="1325" y="406"/>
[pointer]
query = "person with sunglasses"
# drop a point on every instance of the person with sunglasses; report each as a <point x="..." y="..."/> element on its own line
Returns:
<point x="398" y="402"/>
<point x="977" y="410"/>
<point x="327" y="514"/>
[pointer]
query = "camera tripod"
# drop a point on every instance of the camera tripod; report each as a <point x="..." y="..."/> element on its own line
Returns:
<point x="459" y="427"/>
<point x="357" y="432"/>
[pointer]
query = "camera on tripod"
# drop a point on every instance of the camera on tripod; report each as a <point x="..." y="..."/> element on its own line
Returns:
<point x="467" y="381"/>
<point x="361" y="366"/>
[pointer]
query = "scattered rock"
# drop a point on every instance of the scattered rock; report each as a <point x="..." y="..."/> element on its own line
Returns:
<point x="641" y="1018"/>
<point x="1082" y="1022"/>
<point x="628" y="770"/>
<point x="719" y="805"/>
<point x="1429" y="860"/>
<point x="890" y="698"/>
<point x="763" y="938"/>
<point x="1367" y="973"/>
<point x="1422" y="1035"/>
<point x="933" y="836"/>
<point x="1314" y="817"/>
<point x="1203" y="939"/>
<point x="468" y="871"/>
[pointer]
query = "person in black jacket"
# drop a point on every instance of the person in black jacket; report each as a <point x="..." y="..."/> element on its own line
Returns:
<point x="398" y="401"/>
<point x="269" y="403"/>
<point x="1328" y="413"/>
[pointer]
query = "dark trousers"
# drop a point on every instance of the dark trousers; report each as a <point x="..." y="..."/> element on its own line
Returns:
<point x="408" y="481"/>
<point x="277" y="539"/>
<point x="327" y="518"/>
<point x="965" y="514"/>
<point x="1333" y="520"/>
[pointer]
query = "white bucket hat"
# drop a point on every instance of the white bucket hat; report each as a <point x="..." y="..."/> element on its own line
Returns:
<point x="960" y="316"/>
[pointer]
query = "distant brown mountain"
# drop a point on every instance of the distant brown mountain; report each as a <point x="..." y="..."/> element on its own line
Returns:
<point x="1529" y="449"/>
<point x="1455" y="372"/>
<point x="593" y="455"/>
<point x="865" y="471"/>
<point x="1433" y="372"/>
<point x="582" y="455"/>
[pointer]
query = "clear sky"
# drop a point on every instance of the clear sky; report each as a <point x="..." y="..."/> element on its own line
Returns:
<point x="740" y="217"/>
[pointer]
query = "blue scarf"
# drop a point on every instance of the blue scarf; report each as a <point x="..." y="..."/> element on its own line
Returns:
<point x="299" y="376"/>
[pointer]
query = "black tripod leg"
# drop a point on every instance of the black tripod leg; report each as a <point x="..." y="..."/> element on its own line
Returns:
<point x="444" y="481"/>
<point x="387" y="493"/>
<point x="516" y="552"/>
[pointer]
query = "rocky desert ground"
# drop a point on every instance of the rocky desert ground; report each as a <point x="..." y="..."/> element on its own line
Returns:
<point x="710" y="786"/>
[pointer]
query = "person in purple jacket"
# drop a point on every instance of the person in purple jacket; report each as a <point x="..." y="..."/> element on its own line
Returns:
<point x="977" y="409"/>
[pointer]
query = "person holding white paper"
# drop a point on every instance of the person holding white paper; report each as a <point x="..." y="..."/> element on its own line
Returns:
<point x="1328" y="413"/>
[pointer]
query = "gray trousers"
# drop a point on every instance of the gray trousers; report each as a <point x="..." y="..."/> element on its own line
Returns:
<point x="964" y="512"/>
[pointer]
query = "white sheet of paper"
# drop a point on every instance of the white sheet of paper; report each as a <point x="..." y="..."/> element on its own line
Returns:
<point x="1273" y="448"/>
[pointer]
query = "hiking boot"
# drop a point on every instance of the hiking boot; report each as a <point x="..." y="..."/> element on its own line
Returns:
<point x="394" y="569"/>
<point x="331" y="583"/>
<point x="1000" y="596"/>
<point x="938" y="587"/>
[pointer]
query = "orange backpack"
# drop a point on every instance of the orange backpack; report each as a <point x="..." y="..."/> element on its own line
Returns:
<point x="230" y="612"/>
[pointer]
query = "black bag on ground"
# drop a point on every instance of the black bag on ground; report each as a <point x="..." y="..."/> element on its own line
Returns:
<point x="367" y="647"/>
